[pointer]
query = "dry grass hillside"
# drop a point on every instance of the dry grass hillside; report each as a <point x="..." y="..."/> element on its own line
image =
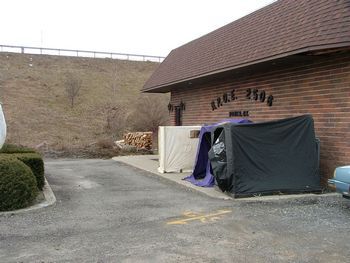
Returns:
<point x="33" y="90"/>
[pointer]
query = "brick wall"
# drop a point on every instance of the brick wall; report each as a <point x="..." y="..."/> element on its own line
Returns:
<point x="320" y="88"/>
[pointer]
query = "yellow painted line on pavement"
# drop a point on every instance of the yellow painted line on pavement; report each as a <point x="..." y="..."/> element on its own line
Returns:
<point x="193" y="216"/>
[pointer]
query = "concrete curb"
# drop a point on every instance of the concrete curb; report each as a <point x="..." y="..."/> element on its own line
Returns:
<point x="49" y="196"/>
<point x="143" y="162"/>
<point x="268" y="198"/>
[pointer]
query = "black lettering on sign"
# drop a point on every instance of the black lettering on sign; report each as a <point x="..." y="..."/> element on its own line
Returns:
<point x="249" y="92"/>
<point x="262" y="96"/>
<point x="213" y="106"/>
<point x="225" y="98"/>
<point x="219" y="101"/>
<point x="255" y="94"/>
<point x="233" y="95"/>
<point x="239" y="113"/>
<point x="269" y="100"/>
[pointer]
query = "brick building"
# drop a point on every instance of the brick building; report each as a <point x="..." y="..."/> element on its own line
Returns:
<point x="286" y="59"/>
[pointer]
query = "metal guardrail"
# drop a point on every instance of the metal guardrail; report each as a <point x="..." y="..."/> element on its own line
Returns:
<point x="78" y="53"/>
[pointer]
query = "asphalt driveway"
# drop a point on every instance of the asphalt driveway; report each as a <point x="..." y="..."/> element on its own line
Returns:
<point x="109" y="212"/>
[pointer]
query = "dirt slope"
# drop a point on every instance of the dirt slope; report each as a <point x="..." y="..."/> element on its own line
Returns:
<point x="38" y="111"/>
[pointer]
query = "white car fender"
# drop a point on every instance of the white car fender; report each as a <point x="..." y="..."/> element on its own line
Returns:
<point x="2" y="127"/>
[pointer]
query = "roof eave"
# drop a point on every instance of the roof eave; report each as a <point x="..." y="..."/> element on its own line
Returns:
<point x="163" y="88"/>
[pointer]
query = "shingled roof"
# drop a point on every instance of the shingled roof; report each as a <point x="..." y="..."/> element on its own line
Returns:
<point x="281" y="29"/>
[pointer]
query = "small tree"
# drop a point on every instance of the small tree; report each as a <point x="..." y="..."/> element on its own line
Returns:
<point x="115" y="80"/>
<point x="72" y="85"/>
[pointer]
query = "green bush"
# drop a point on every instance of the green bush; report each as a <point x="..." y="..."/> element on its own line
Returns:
<point x="11" y="148"/>
<point x="30" y="157"/>
<point x="36" y="164"/>
<point x="17" y="184"/>
<point x="34" y="161"/>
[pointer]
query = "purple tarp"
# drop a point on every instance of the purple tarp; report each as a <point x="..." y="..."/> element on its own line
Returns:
<point x="202" y="175"/>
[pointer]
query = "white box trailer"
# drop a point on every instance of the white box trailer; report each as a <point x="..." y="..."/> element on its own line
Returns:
<point x="177" y="148"/>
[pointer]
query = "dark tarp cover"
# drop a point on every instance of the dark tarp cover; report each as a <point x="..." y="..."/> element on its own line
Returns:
<point x="202" y="175"/>
<point x="268" y="157"/>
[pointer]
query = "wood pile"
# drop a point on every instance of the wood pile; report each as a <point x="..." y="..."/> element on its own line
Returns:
<point x="141" y="140"/>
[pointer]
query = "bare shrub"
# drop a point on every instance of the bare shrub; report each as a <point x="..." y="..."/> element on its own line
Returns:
<point x="150" y="112"/>
<point x="73" y="85"/>
<point x="116" y="120"/>
<point x="105" y="143"/>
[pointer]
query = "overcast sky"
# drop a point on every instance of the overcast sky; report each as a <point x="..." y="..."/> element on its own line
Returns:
<point x="151" y="27"/>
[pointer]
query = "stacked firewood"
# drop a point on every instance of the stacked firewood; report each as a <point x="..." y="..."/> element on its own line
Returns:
<point x="142" y="140"/>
